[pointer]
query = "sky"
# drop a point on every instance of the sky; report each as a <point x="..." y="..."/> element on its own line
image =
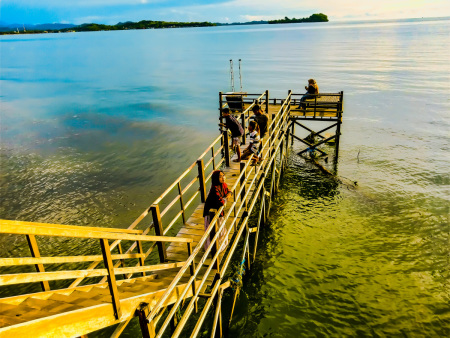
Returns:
<point x="225" y="11"/>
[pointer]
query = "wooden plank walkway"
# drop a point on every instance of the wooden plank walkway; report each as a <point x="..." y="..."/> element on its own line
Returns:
<point x="79" y="309"/>
<point x="308" y="112"/>
<point x="194" y="226"/>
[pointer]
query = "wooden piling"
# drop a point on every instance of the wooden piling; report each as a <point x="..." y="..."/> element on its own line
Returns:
<point x="159" y="231"/>
<point x="34" y="249"/>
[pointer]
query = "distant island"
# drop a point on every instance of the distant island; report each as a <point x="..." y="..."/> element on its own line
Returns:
<point x="313" y="18"/>
<point x="144" y="24"/>
<point x="92" y="27"/>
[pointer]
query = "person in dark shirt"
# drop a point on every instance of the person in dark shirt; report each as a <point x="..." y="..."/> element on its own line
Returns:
<point x="261" y="119"/>
<point x="312" y="91"/>
<point x="236" y="132"/>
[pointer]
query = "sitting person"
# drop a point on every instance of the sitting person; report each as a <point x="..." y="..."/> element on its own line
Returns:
<point x="261" y="119"/>
<point x="312" y="91"/>
<point x="217" y="196"/>
<point x="252" y="150"/>
<point x="236" y="132"/>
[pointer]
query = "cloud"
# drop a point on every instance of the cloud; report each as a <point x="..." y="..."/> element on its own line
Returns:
<point x="113" y="11"/>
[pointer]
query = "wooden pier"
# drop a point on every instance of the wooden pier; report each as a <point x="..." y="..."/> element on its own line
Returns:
<point x="157" y="269"/>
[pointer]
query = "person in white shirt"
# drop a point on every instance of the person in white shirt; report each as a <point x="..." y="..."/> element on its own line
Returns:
<point x="251" y="152"/>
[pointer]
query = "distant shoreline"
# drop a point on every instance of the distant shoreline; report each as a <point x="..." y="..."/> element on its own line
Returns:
<point x="148" y="24"/>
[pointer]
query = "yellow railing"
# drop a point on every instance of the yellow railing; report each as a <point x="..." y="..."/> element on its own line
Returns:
<point x="190" y="186"/>
<point x="249" y="188"/>
<point x="104" y="235"/>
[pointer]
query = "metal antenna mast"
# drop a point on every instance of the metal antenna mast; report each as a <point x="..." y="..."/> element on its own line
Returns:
<point x="232" y="75"/>
<point x="240" y="75"/>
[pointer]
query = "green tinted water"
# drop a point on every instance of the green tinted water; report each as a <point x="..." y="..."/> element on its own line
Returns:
<point x="95" y="126"/>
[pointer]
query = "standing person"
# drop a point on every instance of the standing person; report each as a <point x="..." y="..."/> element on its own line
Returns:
<point x="217" y="196"/>
<point x="236" y="132"/>
<point x="261" y="119"/>
<point x="312" y="91"/>
<point x="252" y="150"/>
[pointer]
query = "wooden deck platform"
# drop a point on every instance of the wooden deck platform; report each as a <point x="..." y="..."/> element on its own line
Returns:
<point x="185" y="272"/>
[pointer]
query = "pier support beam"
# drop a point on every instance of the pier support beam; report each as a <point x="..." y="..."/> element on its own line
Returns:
<point x="147" y="329"/>
<point x="159" y="231"/>
<point x="201" y="179"/>
<point x="226" y="147"/>
<point x="34" y="249"/>
<point x="107" y="261"/>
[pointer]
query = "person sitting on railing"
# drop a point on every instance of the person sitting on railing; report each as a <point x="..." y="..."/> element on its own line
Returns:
<point x="312" y="91"/>
<point x="217" y="197"/>
<point x="252" y="150"/>
<point x="236" y="132"/>
<point x="261" y="119"/>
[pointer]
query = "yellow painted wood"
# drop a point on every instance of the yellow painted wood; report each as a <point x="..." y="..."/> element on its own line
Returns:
<point x="81" y="227"/>
<point x="56" y="260"/>
<point x="11" y="279"/>
<point x="86" y="320"/>
<point x="26" y="228"/>
<point x="85" y="288"/>
<point x="91" y="317"/>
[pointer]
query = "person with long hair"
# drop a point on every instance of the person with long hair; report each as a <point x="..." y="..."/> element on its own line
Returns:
<point x="217" y="197"/>
<point x="312" y="91"/>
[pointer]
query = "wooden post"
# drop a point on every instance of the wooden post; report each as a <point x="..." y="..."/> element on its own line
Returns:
<point x="241" y="169"/>
<point x="315" y="105"/>
<point x="122" y="261"/>
<point x="338" y="136"/>
<point x="34" y="249"/>
<point x="220" y="104"/>
<point x="338" y="126"/>
<point x="147" y="329"/>
<point x="261" y="219"/>
<point x="226" y="145"/>
<point x="217" y="329"/>
<point x="106" y="252"/>
<point x="292" y="131"/>
<point x="140" y="250"/>
<point x="216" y="246"/>
<point x="244" y="136"/>
<point x="180" y="192"/>
<point x="275" y="179"/>
<point x="272" y="133"/>
<point x="159" y="232"/>
<point x="173" y="320"/>
<point x="272" y="183"/>
<point x="341" y="101"/>
<point x="267" y="102"/>
<point x="192" y="271"/>
<point x="212" y="156"/>
<point x="201" y="179"/>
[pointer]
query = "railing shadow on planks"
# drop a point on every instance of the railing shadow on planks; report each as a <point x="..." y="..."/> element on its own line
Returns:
<point x="191" y="276"/>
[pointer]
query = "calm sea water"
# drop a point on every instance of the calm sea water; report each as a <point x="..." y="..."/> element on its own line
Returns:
<point x="94" y="126"/>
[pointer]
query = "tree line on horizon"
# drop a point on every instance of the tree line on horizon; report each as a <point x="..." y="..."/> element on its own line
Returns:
<point x="144" y="24"/>
<point x="320" y="17"/>
<point x="150" y="24"/>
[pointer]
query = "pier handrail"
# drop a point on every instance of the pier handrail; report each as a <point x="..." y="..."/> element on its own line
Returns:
<point x="28" y="228"/>
<point x="154" y="207"/>
<point x="182" y="191"/>
<point x="32" y="229"/>
<point x="249" y="188"/>
<point x="275" y="136"/>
